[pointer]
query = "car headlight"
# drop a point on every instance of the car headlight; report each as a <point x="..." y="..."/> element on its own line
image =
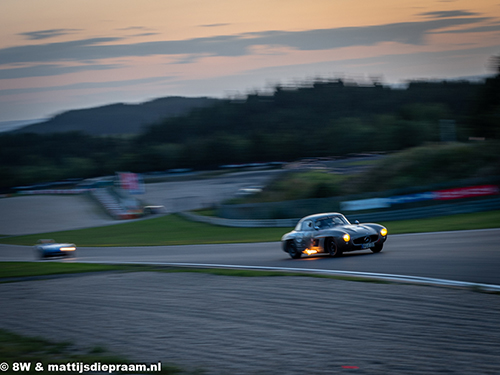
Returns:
<point x="383" y="232"/>
<point x="346" y="237"/>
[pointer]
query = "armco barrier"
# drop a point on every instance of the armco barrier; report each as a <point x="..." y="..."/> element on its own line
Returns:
<point x="381" y="216"/>
<point x="430" y="211"/>
<point x="269" y="223"/>
<point x="53" y="192"/>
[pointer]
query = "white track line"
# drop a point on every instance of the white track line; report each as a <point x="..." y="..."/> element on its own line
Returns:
<point x="365" y="275"/>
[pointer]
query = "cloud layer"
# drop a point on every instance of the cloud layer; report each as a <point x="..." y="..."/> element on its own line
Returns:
<point x="95" y="49"/>
<point x="46" y="34"/>
<point x="57" y="68"/>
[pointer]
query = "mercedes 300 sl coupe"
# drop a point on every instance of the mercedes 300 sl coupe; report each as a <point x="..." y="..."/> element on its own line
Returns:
<point x="333" y="234"/>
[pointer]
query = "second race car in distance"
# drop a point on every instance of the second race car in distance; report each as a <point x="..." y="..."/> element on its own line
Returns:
<point x="333" y="234"/>
<point x="49" y="248"/>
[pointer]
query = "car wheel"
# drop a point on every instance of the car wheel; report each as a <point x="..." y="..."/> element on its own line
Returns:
<point x="292" y="250"/>
<point x="377" y="248"/>
<point x="332" y="247"/>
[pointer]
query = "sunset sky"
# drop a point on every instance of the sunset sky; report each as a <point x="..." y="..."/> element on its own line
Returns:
<point x="57" y="55"/>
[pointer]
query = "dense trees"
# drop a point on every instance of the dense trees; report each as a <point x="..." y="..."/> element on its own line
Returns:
<point x="321" y="119"/>
<point x="28" y="158"/>
<point x="485" y="120"/>
<point x="326" y="118"/>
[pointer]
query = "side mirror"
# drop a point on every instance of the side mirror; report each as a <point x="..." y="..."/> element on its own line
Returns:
<point x="316" y="228"/>
<point x="356" y="222"/>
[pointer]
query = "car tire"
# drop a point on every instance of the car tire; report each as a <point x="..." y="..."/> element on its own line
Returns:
<point x="332" y="247"/>
<point x="292" y="250"/>
<point x="377" y="248"/>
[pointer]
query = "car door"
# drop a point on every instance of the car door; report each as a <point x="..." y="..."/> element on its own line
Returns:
<point x="307" y="234"/>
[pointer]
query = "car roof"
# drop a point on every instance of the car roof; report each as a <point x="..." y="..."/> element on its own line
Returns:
<point x="322" y="215"/>
<point x="47" y="240"/>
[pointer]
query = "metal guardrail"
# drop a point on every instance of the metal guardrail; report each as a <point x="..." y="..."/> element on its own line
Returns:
<point x="429" y="211"/>
<point x="380" y="216"/>
<point x="240" y="223"/>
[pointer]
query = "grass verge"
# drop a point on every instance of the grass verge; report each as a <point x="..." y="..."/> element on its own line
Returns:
<point x="34" y="350"/>
<point x="25" y="269"/>
<point x="165" y="230"/>
<point x="174" y="230"/>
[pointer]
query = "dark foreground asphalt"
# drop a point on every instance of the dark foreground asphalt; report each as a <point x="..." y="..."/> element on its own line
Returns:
<point x="263" y="325"/>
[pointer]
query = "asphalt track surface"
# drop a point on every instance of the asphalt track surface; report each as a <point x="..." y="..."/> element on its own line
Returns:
<point x="469" y="256"/>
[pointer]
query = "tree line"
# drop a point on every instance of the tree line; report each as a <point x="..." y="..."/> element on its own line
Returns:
<point x="324" y="118"/>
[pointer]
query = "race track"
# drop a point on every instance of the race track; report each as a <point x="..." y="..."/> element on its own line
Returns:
<point x="470" y="256"/>
<point x="279" y="325"/>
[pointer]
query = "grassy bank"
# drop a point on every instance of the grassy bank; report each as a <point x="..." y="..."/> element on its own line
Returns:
<point x="24" y="269"/>
<point x="407" y="169"/>
<point x="166" y="230"/>
<point x="174" y="230"/>
<point x="34" y="351"/>
<point x="32" y="269"/>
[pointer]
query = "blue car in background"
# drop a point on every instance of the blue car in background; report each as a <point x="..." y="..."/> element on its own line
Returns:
<point x="49" y="248"/>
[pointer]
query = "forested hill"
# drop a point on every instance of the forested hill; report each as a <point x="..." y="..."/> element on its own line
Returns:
<point x="118" y="118"/>
<point x="324" y="118"/>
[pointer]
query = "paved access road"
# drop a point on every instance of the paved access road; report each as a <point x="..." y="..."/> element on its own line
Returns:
<point x="472" y="256"/>
<point x="51" y="213"/>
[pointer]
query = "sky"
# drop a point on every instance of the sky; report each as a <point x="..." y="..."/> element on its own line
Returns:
<point x="58" y="55"/>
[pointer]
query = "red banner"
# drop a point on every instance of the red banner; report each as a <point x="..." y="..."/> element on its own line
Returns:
<point x="467" y="192"/>
<point x="131" y="182"/>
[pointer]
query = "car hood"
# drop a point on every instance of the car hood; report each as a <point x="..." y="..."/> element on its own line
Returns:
<point x="55" y="246"/>
<point x="358" y="230"/>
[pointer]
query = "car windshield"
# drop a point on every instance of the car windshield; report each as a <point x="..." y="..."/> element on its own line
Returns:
<point x="331" y="221"/>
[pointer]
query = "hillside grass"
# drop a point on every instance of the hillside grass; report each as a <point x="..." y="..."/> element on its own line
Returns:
<point x="419" y="166"/>
<point x="429" y="164"/>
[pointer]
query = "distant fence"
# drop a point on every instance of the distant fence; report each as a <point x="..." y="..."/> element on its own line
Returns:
<point x="429" y="211"/>
<point x="461" y="191"/>
<point x="381" y="216"/>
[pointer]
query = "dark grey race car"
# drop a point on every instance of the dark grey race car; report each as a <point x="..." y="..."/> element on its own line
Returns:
<point x="332" y="233"/>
